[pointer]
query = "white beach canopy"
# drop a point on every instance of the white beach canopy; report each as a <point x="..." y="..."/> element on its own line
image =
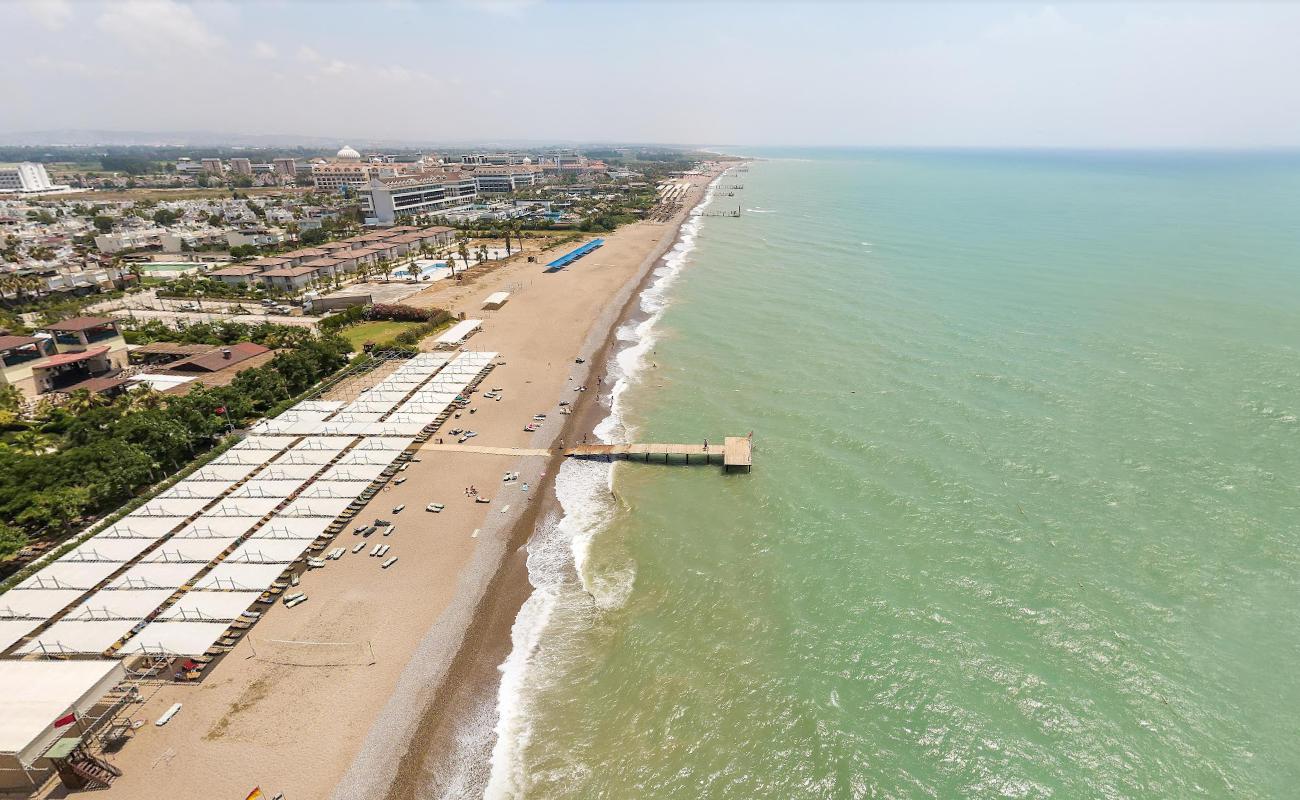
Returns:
<point x="210" y="606"/>
<point x="133" y="527"/>
<point x="241" y="577"/>
<point x="50" y="690"/>
<point x="206" y="527"/>
<point x="11" y="630"/>
<point x="70" y="575"/>
<point x="268" y="551"/>
<point x="37" y="604"/>
<point x="132" y="604"/>
<point x="70" y="637"/>
<point x="176" y="637"/>
<point x="292" y="528"/>
<point x="195" y="551"/>
<point x="99" y="548"/>
<point x="156" y="576"/>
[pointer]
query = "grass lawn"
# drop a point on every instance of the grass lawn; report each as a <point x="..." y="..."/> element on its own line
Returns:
<point x="380" y="331"/>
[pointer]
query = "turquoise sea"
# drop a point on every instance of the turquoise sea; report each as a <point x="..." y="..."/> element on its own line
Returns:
<point x="1024" y="519"/>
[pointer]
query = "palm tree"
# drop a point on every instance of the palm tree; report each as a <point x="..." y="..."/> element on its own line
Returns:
<point x="30" y="442"/>
<point x="385" y="267"/>
<point x="507" y="232"/>
<point x="463" y="250"/>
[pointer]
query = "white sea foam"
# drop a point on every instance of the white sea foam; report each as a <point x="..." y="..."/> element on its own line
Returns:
<point x="559" y="551"/>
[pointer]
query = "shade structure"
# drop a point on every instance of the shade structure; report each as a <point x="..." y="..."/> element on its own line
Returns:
<point x="156" y="576"/>
<point x="192" y="489"/>
<point x="330" y="443"/>
<point x="380" y="457"/>
<point x="243" y="507"/>
<point x="210" y="606"/>
<point x="241" y="577"/>
<point x="224" y="472"/>
<point x="176" y="637"/>
<point x="324" y="488"/>
<point x="285" y="472"/>
<point x="133" y="527"/>
<point x="246" y="457"/>
<point x="317" y="457"/>
<point x="353" y="472"/>
<point x="268" y="551"/>
<point x="327" y="507"/>
<point x="98" y="548"/>
<point x="195" y="551"/>
<point x="175" y="507"/>
<point x="85" y="637"/>
<point x="70" y="575"/>
<point x="265" y="443"/>
<point x="257" y="487"/>
<point x="11" y="630"/>
<point x="292" y="528"/>
<point x="386" y="444"/>
<point x="206" y="527"/>
<point x="38" y="604"/>
<point x="132" y="604"/>
<point x="318" y="405"/>
<point x="459" y="332"/>
<point x="50" y="690"/>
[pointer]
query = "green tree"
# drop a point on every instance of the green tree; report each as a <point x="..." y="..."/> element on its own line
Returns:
<point x="11" y="540"/>
<point x="103" y="224"/>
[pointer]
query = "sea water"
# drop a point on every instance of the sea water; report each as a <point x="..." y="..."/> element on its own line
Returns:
<point x="1023" y="514"/>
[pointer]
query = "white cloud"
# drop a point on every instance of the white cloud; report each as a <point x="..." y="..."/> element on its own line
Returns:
<point x="264" y="50"/>
<point x="308" y="55"/>
<point x="149" y="25"/>
<point x="52" y="14"/>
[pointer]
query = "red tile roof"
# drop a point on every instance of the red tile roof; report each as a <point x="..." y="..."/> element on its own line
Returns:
<point x="79" y="324"/>
<point x="217" y="360"/>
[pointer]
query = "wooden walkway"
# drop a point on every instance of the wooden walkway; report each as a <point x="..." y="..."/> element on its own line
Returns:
<point x="735" y="453"/>
<point x="490" y="451"/>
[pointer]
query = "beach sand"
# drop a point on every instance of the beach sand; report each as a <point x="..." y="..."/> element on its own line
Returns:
<point x="438" y="621"/>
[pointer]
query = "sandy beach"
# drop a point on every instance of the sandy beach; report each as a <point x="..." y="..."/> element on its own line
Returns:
<point x="438" y="622"/>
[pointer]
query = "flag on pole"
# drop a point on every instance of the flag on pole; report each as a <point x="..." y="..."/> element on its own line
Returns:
<point x="220" y="410"/>
<point x="256" y="794"/>
<point x="65" y="720"/>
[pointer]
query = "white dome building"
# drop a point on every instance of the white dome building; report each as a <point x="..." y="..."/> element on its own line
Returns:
<point x="348" y="154"/>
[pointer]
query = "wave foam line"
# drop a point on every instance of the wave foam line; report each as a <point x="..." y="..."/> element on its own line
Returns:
<point x="558" y="552"/>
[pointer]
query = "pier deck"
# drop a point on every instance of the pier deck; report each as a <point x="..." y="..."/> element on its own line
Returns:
<point x="735" y="452"/>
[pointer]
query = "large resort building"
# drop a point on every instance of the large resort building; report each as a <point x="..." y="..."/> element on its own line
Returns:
<point x="386" y="199"/>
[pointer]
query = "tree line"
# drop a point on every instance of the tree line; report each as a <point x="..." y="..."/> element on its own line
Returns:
<point x="89" y="455"/>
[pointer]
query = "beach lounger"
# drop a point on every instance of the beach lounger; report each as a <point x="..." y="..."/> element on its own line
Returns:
<point x="389" y="530"/>
<point x="289" y="598"/>
<point x="315" y="563"/>
<point x="482" y="500"/>
<point x="375" y="551"/>
<point x="435" y="507"/>
<point x="390" y="562"/>
<point x="297" y="601"/>
<point x="398" y="508"/>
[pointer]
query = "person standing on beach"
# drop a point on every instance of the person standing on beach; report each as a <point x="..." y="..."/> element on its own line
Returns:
<point x="706" y="445"/>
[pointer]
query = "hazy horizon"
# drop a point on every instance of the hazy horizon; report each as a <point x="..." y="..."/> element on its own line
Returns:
<point x="966" y="75"/>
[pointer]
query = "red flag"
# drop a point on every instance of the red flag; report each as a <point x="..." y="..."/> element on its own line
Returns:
<point x="220" y="410"/>
<point x="66" y="720"/>
<point x="255" y="794"/>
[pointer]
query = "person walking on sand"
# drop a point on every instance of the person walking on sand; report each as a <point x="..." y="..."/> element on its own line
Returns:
<point x="706" y="445"/>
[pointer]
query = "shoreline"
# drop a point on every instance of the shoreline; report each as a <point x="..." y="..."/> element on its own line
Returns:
<point x="435" y="752"/>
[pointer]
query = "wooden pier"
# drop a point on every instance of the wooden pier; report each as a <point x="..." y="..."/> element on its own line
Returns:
<point x="735" y="453"/>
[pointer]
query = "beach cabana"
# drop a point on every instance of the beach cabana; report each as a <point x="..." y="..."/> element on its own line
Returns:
<point x="244" y="507"/>
<point x="176" y="507"/>
<point x="190" y="489"/>
<point x="264" y="443"/>
<point x="353" y="472"/>
<point x="38" y="694"/>
<point x="223" y="472"/>
<point x="496" y="300"/>
<point x="257" y="487"/>
<point x="326" y="507"/>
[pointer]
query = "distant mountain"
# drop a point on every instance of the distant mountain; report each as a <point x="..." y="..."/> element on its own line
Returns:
<point x="101" y="138"/>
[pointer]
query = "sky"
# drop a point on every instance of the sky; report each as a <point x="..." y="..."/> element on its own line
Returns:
<point x="1163" y="74"/>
